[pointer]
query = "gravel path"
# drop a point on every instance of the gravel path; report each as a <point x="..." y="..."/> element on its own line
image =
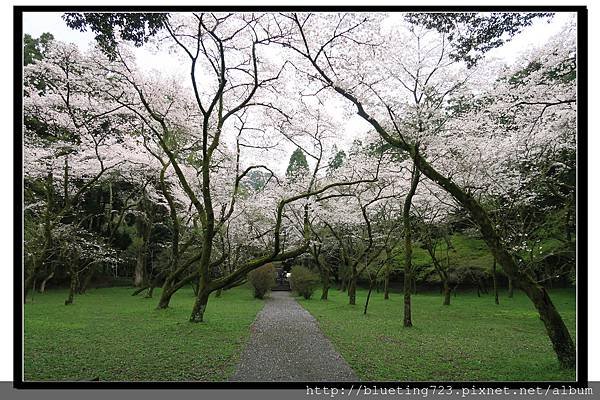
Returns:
<point x="287" y="345"/>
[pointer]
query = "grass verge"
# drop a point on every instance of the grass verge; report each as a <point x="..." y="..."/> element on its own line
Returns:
<point x="471" y="340"/>
<point x="110" y="335"/>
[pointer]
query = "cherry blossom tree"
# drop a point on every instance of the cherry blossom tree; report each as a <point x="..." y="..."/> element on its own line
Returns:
<point x="186" y="128"/>
<point x="73" y="141"/>
<point x="348" y="57"/>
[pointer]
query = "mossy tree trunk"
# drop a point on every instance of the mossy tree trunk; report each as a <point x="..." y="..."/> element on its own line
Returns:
<point x="200" y="306"/>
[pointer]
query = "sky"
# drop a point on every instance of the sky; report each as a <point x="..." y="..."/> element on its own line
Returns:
<point x="354" y="127"/>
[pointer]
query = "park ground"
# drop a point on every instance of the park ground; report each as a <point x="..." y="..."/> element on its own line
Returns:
<point x="111" y="336"/>
<point x="471" y="340"/>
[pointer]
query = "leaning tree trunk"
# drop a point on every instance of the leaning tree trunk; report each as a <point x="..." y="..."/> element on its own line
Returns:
<point x="174" y="270"/>
<point x="368" y="297"/>
<point x="165" y="296"/>
<point x="45" y="281"/>
<point x="170" y="287"/>
<point x="555" y="327"/>
<point x="140" y="290"/>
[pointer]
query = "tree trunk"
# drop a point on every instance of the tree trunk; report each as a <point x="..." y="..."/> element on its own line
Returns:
<point x="352" y="290"/>
<point x="140" y="290"/>
<point x="407" y="310"/>
<point x="139" y="274"/>
<point x="170" y="287"/>
<point x="510" y="288"/>
<point x="196" y="287"/>
<point x="446" y="290"/>
<point x="88" y="279"/>
<point x="200" y="306"/>
<point x="368" y="297"/>
<point x="26" y="285"/>
<point x="408" y="246"/>
<point x="386" y="285"/>
<point x="555" y="326"/>
<point x="72" y="287"/>
<point x="149" y="292"/>
<point x="45" y="281"/>
<point x="47" y="235"/>
<point x="325" y="290"/>
<point x="495" y="279"/>
<point x="165" y="297"/>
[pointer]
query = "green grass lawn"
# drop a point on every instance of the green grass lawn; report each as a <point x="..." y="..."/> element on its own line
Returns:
<point x="111" y="335"/>
<point x="471" y="340"/>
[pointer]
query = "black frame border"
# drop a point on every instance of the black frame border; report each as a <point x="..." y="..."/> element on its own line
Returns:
<point x="582" y="202"/>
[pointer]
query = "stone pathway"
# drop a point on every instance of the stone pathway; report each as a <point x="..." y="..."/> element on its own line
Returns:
<point x="286" y="344"/>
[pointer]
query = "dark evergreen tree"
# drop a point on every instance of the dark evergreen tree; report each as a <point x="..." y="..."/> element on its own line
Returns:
<point x="298" y="165"/>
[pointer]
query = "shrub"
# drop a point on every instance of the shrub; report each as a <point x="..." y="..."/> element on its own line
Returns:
<point x="303" y="281"/>
<point x="262" y="280"/>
